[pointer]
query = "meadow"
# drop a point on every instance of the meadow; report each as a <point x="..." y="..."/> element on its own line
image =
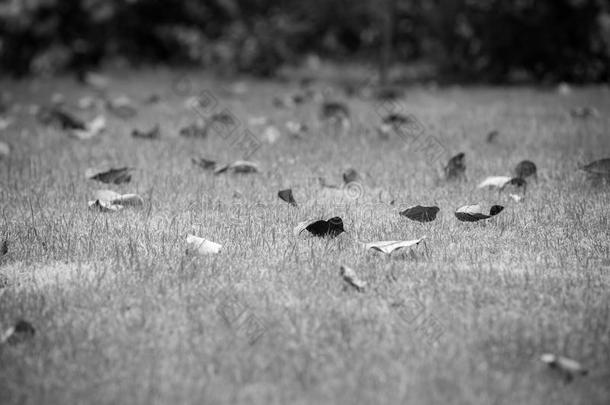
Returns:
<point x="123" y="315"/>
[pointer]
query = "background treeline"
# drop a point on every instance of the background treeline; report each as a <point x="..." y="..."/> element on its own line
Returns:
<point x="483" y="40"/>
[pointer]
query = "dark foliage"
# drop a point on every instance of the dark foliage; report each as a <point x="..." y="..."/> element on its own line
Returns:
<point x="490" y="40"/>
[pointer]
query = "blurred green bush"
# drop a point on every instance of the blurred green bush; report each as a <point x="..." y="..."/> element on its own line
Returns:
<point x="481" y="40"/>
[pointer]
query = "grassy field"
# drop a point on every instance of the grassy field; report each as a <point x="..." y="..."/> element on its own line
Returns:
<point x="123" y="315"/>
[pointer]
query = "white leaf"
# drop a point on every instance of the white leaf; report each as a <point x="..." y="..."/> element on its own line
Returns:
<point x="200" y="246"/>
<point x="352" y="279"/>
<point x="495" y="181"/>
<point x="94" y="128"/>
<point x="568" y="366"/>
<point x="517" y="197"/>
<point x="301" y="226"/>
<point x="104" y="206"/>
<point x="271" y="134"/>
<point x="388" y="246"/>
<point x="113" y="198"/>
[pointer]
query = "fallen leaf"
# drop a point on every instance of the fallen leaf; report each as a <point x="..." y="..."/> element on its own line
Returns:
<point x="4" y="247"/>
<point x="204" y="163"/>
<point x="350" y="176"/>
<point x="473" y="213"/>
<point x="114" y="176"/>
<point x="239" y="166"/>
<point x="420" y="213"/>
<point x="122" y="106"/>
<point x="331" y="228"/>
<point x="104" y="206"/>
<point x="286" y="195"/>
<point x="525" y="169"/>
<point x="495" y="181"/>
<point x="153" y="133"/>
<point x="113" y="198"/>
<point x="195" y="130"/>
<point x="351" y="279"/>
<point x="200" y="246"/>
<point x="5" y="150"/>
<point x="388" y="246"/>
<point x="456" y="168"/>
<point x="334" y="110"/>
<point x="22" y="331"/>
<point x="93" y="128"/>
<point x="599" y="167"/>
<point x="568" y="367"/>
<point x="516" y="197"/>
<point x="64" y="119"/>
<point x="492" y="136"/>
<point x="584" y="112"/>
<point x="296" y="129"/>
<point x="271" y="134"/>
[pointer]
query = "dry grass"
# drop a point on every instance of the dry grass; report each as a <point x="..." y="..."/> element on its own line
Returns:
<point x="124" y="316"/>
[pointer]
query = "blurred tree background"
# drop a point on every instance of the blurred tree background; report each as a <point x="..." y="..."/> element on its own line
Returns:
<point x="473" y="40"/>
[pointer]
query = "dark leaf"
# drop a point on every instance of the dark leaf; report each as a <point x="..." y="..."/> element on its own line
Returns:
<point x="331" y="228"/>
<point x="350" y="176"/>
<point x="420" y="213"/>
<point x="286" y="195"/>
<point x="336" y="110"/>
<point x="492" y="136"/>
<point x="153" y="133"/>
<point x="195" y="130"/>
<point x="599" y="167"/>
<point x="4" y="247"/>
<point x="204" y="163"/>
<point x="22" y="331"/>
<point x="62" y="118"/>
<point x="526" y="168"/>
<point x="456" y="167"/>
<point x="111" y="176"/>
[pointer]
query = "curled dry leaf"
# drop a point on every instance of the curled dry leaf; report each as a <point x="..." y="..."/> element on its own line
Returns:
<point x="473" y="213"/>
<point x="152" y="133"/>
<point x="114" y="176"/>
<point x="204" y="163"/>
<point x="115" y="198"/>
<point x="456" y="167"/>
<point x="495" y="182"/>
<point x="286" y="195"/>
<point x="239" y="166"/>
<point x="104" y="206"/>
<point x="568" y="367"/>
<point x="201" y="247"/>
<point x="420" y="213"/>
<point x="19" y="333"/>
<point x="5" y="150"/>
<point x="94" y="128"/>
<point x="351" y="279"/>
<point x="331" y="228"/>
<point x="388" y="246"/>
